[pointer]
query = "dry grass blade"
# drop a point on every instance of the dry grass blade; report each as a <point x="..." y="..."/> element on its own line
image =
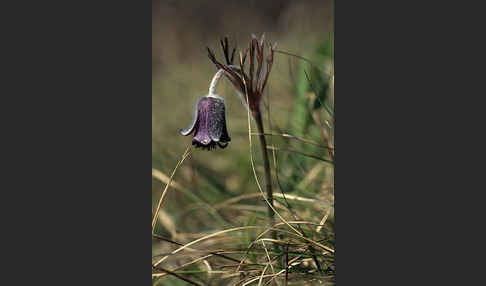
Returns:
<point x="293" y="234"/>
<point x="296" y="138"/>
<point x="303" y="59"/>
<point x="263" y="273"/>
<point x="250" y="208"/>
<point x="180" y="244"/>
<point x="237" y="199"/>
<point x="323" y="220"/>
<point x="291" y="263"/>
<point x="269" y="262"/>
<point x="262" y="240"/>
<point x="183" y="265"/>
<point x="300" y="153"/>
<point x="186" y="154"/>
<point x="257" y="195"/>
<point x="299" y="222"/>
<point x="251" y="280"/>
<point x="307" y="239"/>
<point x="203" y="238"/>
<point x="316" y="169"/>
<point x="179" y="276"/>
<point x="298" y="198"/>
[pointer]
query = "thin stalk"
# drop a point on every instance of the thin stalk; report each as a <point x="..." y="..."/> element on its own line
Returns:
<point x="266" y="165"/>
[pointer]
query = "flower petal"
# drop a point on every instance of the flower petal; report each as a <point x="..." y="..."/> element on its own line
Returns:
<point x="203" y="121"/>
<point x="193" y="124"/>
<point x="217" y="118"/>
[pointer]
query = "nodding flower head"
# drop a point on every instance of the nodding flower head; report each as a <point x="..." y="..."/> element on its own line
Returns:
<point x="253" y="81"/>
<point x="209" y="123"/>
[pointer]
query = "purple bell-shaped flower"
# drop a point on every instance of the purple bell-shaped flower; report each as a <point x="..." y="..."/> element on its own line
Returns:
<point x="209" y="124"/>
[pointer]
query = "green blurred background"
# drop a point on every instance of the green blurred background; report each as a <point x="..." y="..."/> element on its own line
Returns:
<point x="298" y="104"/>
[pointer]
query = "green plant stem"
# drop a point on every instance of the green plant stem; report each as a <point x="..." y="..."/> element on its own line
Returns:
<point x="266" y="166"/>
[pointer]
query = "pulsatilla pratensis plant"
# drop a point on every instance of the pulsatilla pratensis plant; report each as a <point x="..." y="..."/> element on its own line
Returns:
<point x="209" y="123"/>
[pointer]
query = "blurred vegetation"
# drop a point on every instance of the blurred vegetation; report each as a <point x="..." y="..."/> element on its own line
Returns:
<point x="216" y="190"/>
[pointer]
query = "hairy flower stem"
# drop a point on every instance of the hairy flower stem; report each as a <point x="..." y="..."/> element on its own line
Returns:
<point x="214" y="82"/>
<point x="266" y="165"/>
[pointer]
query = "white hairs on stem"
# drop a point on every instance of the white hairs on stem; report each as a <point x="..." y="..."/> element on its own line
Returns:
<point x="214" y="83"/>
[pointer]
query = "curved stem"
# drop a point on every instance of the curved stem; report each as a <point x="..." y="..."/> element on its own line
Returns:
<point x="217" y="77"/>
<point x="214" y="82"/>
